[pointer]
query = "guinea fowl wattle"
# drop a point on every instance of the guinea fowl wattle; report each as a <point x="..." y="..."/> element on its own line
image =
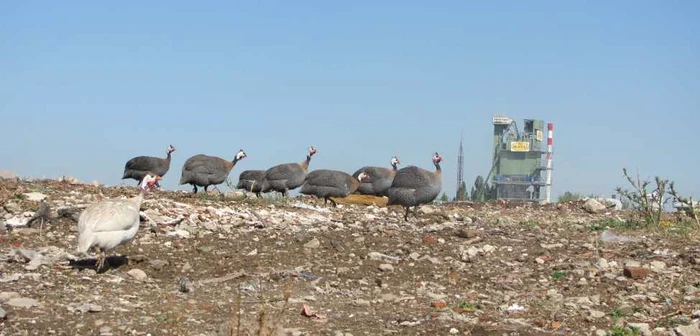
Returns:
<point x="413" y="186"/>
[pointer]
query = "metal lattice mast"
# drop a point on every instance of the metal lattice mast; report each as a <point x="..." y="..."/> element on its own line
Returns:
<point x="460" y="167"/>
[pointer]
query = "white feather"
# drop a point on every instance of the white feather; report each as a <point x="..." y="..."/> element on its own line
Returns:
<point x="110" y="223"/>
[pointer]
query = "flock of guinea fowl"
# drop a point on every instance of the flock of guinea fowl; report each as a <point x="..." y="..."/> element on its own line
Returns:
<point x="112" y="222"/>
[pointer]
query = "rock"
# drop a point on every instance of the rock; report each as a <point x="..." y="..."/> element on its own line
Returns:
<point x="313" y="243"/>
<point x="362" y="303"/>
<point x="488" y="249"/>
<point x="600" y="332"/>
<point x="636" y="273"/>
<point x="159" y="264"/>
<point x="382" y="257"/>
<point x="596" y="314"/>
<point x="138" y="274"/>
<point x="688" y="330"/>
<point x="592" y="206"/>
<point x="429" y="240"/>
<point x="643" y="328"/>
<point x="439" y="304"/>
<point x="602" y="264"/>
<point x="466" y="234"/>
<point x="13" y="206"/>
<point x="386" y="267"/>
<point x="23" y="303"/>
<point x="454" y="331"/>
<point x="6" y="174"/>
<point x="35" y="196"/>
<point x="6" y="296"/>
<point x="657" y="266"/>
<point x="3" y="314"/>
<point x="205" y="249"/>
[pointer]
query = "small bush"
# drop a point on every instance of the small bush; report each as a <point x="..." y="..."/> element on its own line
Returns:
<point x="569" y="196"/>
<point x="648" y="203"/>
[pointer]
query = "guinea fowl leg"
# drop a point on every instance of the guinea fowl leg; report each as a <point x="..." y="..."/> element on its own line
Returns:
<point x="415" y="211"/>
<point x="100" y="260"/>
<point x="335" y="205"/>
<point x="405" y="217"/>
<point x="195" y="189"/>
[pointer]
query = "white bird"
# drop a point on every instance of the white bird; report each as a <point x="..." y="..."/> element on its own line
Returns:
<point x="112" y="222"/>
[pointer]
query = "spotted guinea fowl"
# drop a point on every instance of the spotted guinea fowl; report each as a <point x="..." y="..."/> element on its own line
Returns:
<point x="251" y="180"/>
<point x="379" y="178"/>
<point x="204" y="170"/>
<point x="326" y="183"/>
<point x="138" y="167"/>
<point x="112" y="222"/>
<point x="413" y="186"/>
<point x="287" y="176"/>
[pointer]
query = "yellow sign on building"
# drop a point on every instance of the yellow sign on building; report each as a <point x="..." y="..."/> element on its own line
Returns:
<point x="519" y="146"/>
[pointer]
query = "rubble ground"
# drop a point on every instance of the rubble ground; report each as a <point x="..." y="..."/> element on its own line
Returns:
<point x="207" y="265"/>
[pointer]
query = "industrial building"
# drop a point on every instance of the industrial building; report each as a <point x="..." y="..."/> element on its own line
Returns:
<point x="522" y="161"/>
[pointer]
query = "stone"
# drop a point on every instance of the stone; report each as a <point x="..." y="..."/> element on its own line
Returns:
<point x="603" y="264"/>
<point x="158" y="264"/>
<point x="13" y="206"/>
<point x="596" y="314"/>
<point x="593" y="207"/>
<point x="643" y="328"/>
<point x="362" y="303"/>
<point x="23" y="303"/>
<point x="6" y="174"/>
<point x="466" y="234"/>
<point x="657" y="266"/>
<point x="636" y="273"/>
<point x="688" y="330"/>
<point x="138" y="274"/>
<point x="6" y="296"/>
<point x="439" y="304"/>
<point x="429" y="240"/>
<point x="313" y="243"/>
<point x="386" y="268"/>
<point x="35" y="196"/>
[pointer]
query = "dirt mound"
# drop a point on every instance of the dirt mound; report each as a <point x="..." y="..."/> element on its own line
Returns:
<point x="206" y="265"/>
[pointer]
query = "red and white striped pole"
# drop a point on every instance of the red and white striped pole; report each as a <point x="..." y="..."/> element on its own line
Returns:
<point x="548" y="192"/>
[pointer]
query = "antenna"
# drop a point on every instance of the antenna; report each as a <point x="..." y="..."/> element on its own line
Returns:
<point x="460" y="167"/>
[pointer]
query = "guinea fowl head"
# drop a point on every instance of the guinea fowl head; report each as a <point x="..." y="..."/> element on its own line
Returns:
<point x="395" y="161"/>
<point x="312" y="151"/>
<point x="241" y="154"/>
<point x="436" y="161"/>
<point x="363" y="177"/>
<point x="170" y="149"/>
<point x="149" y="182"/>
<point x="437" y="158"/>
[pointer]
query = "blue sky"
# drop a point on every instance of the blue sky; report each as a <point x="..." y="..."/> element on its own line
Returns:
<point x="86" y="86"/>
